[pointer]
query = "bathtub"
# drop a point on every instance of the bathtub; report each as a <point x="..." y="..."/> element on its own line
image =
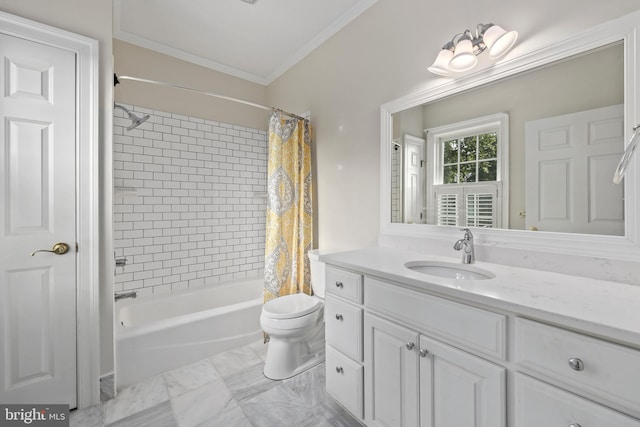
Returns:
<point x="159" y="333"/>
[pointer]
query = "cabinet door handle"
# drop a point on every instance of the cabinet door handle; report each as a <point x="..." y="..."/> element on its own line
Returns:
<point x="410" y="345"/>
<point x="339" y="285"/>
<point x="576" y="364"/>
<point x="424" y="352"/>
<point x="339" y="370"/>
<point x="339" y="317"/>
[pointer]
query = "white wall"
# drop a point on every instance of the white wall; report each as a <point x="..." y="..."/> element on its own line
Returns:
<point x="135" y="61"/>
<point x="381" y="56"/>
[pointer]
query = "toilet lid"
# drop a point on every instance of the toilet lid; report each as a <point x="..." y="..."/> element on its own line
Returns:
<point x="290" y="306"/>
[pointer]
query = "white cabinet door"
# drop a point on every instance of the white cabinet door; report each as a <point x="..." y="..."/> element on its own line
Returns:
<point x="459" y="389"/>
<point x="391" y="374"/>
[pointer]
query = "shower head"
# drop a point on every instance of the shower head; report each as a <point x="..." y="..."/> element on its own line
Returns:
<point x="135" y="120"/>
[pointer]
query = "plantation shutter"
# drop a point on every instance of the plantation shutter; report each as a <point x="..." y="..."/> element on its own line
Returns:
<point x="448" y="209"/>
<point x="468" y="206"/>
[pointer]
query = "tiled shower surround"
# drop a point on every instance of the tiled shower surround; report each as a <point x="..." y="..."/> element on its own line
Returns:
<point x="189" y="204"/>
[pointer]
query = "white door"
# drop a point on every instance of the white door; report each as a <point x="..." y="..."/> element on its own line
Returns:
<point x="391" y="374"/>
<point x="413" y="188"/>
<point x="570" y="160"/>
<point x="37" y="196"/>
<point x="459" y="389"/>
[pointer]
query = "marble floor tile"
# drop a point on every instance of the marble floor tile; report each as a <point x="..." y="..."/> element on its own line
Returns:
<point x="224" y="390"/>
<point x="260" y="348"/>
<point x="136" y="398"/>
<point x="236" y="360"/>
<point x="211" y="404"/>
<point x="157" y="416"/>
<point x="89" y="417"/>
<point x="331" y="414"/>
<point x="107" y="388"/>
<point x="190" y="377"/>
<point x="249" y="383"/>
<point x="309" y="385"/>
<point x="279" y="406"/>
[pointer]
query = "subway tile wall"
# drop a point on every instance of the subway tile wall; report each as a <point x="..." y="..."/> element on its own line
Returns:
<point x="396" y="184"/>
<point x="189" y="202"/>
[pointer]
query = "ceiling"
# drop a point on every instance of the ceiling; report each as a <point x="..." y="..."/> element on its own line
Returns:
<point x="256" y="42"/>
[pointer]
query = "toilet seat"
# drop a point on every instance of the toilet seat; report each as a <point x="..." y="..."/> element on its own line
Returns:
<point x="291" y="306"/>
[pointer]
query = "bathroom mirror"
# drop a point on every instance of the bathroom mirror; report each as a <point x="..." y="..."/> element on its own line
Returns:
<point x="575" y="105"/>
<point x="492" y="150"/>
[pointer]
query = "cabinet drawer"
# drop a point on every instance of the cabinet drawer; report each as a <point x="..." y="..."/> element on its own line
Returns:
<point x="343" y="327"/>
<point x="345" y="381"/>
<point x="540" y="404"/>
<point x="603" y="370"/>
<point x="344" y="284"/>
<point x="468" y="327"/>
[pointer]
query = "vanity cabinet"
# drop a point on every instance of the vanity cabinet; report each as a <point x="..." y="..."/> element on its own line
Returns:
<point x="600" y="371"/>
<point x="398" y="355"/>
<point x="343" y="334"/>
<point x="412" y="379"/>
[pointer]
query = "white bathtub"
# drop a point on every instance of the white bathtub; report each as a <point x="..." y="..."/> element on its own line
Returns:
<point x="159" y="333"/>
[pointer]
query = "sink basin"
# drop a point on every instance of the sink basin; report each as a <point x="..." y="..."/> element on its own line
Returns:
<point x="449" y="270"/>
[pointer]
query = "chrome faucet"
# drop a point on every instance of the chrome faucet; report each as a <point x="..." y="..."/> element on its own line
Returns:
<point x="466" y="243"/>
<point x="121" y="295"/>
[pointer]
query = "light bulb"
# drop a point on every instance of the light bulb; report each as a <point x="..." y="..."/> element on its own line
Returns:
<point x="463" y="57"/>
<point x="441" y="65"/>
<point x="499" y="41"/>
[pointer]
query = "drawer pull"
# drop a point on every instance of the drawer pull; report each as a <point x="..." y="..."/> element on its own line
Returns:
<point x="410" y="345"/>
<point x="339" y="370"/>
<point x="424" y="352"/>
<point x="339" y="285"/>
<point x="575" y="425"/>
<point x="339" y="317"/>
<point x="576" y="364"/>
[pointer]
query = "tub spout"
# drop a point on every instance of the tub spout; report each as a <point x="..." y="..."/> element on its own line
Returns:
<point x="121" y="295"/>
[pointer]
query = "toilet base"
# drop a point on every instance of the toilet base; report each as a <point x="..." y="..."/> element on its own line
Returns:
<point x="287" y="358"/>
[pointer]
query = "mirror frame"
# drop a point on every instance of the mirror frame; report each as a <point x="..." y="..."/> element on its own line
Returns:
<point x="627" y="247"/>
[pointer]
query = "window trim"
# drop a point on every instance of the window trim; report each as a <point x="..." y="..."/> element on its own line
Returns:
<point x="478" y="125"/>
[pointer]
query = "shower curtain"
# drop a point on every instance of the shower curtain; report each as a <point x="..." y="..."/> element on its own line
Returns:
<point x="289" y="208"/>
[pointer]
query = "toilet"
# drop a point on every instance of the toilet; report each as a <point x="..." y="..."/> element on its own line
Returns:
<point x="295" y="324"/>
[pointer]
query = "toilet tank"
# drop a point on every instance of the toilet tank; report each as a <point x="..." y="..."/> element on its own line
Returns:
<point x="317" y="273"/>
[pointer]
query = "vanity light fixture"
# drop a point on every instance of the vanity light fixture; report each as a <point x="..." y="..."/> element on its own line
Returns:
<point x="460" y="54"/>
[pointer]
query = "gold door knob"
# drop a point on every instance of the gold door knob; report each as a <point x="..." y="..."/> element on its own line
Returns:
<point x="58" y="249"/>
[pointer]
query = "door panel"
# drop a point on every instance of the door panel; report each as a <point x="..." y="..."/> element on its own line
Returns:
<point x="570" y="160"/>
<point x="459" y="389"/>
<point x="37" y="194"/>
<point x="414" y="175"/>
<point x="391" y="374"/>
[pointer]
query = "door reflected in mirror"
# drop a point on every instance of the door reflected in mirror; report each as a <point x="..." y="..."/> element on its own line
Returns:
<point x="535" y="151"/>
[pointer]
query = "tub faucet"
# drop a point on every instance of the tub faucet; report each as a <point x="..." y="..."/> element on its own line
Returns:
<point x="466" y="243"/>
<point x="121" y="295"/>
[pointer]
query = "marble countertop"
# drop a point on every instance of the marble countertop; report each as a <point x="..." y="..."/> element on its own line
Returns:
<point x="607" y="309"/>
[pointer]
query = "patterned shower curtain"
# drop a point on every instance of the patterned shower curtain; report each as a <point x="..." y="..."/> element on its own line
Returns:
<point x="289" y="208"/>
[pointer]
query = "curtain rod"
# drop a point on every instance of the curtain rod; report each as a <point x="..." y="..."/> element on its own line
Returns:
<point x="202" y="92"/>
